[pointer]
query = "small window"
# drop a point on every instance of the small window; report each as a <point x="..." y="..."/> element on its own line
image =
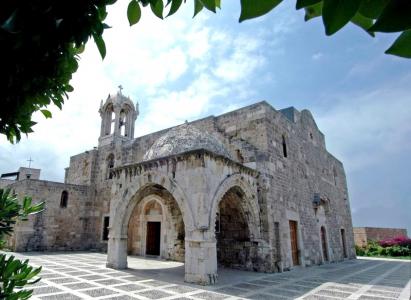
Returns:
<point x="311" y="135"/>
<point x="335" y="176"/>
<point x="239" y="156"/>
<point x="110" y="166"/>
<point x="64" y="199"/>
<point x="28" y="176"/>
<point x="284" y="146"/>
<point x="106" y="223"/>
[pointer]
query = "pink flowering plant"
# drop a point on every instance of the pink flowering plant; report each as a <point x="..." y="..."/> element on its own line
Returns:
<point x="394" y="247"/>
<point x="402" y="241"/>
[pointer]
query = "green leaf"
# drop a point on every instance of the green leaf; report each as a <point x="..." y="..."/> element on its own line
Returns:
<point x="157" y="7"/>
<point x="133" y="12"/>
<point x="98" y="39"/>
<point x="304" y="3"/>
<point x="363" y="22"/>
<point x="313" y="11"/>
<point x="395" y="17"/>
<point x="175" y="5"/>
<point x="209" y="4"/>
<point x="218" y="3"/>
<point x="46" y="113"/>
<point x="255" y="8"/>
<point x="372" y="8"/>
<point x="402" y="45"/>
<point x="198" y="6"/>
<point x="80" y="49"/>
<point x="69" y="88"/>
<point x="337" y="13"/>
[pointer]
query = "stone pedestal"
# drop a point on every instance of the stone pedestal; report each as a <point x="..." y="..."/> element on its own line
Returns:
<point x="201" y="261"/>
<point x="117" y="253"/>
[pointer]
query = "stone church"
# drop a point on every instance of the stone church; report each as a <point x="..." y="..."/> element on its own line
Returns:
<point x="253" y="189"/>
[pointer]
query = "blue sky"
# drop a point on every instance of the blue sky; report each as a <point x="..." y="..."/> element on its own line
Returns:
<point x="184" y="69"/>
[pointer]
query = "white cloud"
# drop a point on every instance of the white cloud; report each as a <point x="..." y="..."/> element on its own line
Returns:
<point x="243" y="59"/>
<point x="367" y="127"/>
<point x="317" y="56"/>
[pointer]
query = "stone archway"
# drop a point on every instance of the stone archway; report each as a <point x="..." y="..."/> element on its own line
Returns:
<point x="156" y="226"/>
<point x="232" y="232"/>
<point x="248" y="202"/>
<point x="235" y="216"/>
<point x="123" y="211"/>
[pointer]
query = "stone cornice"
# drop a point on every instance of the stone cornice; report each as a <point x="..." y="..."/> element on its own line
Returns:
<point x="140" y="167"/>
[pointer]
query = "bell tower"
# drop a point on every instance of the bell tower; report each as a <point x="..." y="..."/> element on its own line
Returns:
<point x="118" y="115"/>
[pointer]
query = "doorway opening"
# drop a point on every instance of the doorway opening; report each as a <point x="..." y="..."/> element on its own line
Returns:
<point x="153" y="238"/>
<point x="156" y="226"/>
<point x="324" y="243"/>
<point x="294" y="243"/>
<point x="234" y="246"/>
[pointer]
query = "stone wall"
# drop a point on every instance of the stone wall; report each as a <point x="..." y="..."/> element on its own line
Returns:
<point x="81" y="168"/>
<point x="5" y="182"/>
<point x="363" y="235"/>
<point x="56" y="228"/>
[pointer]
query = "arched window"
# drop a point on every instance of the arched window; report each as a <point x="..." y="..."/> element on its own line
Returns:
<point x="335" y="175"/>
<point x="284" y="146"/>
<point x="239" y="156"/>
<point x="110" y="166"/>
<point x="123" y="121"/>
<point x="64" y="199"/>
<point x="108" y="120"/>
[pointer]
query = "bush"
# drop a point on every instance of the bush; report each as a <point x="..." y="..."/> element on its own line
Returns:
<point x="397" y="241"/>
<point x="374" y="248"/>
<point x="15" y="273"/>
<point x="360" y="251"/>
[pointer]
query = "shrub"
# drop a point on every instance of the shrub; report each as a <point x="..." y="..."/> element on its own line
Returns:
<point x="15" y="273"/>
<point x="396" y="241"/>
<point x="360" y="251"/>
<point x="374" y="248"/>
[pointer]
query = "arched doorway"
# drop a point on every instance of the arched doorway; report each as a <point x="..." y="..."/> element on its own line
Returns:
<point x="156" y="225"/>
<point x="235" y="245"/>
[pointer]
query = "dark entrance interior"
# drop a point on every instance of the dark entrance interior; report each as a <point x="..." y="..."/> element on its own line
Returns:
<point x="153" y="238"/>
<point x="324" y="243"/>
<point x="294" y="243"/>
<point x="344" y="247"/>
<point x="232" y="233"/>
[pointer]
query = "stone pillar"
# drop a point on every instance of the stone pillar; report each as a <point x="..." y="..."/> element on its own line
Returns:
<point x="201" y="259"/>
<point x="117" y="253"/>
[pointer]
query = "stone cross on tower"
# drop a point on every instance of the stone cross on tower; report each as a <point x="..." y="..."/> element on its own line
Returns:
<point x="120" y="87"/>
<point x="30" y="161"/>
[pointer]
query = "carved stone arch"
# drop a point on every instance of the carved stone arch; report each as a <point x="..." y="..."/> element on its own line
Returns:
<point x="135" y="193"/>
<point x="166" y="215"/>
<point x="250" y="203"/>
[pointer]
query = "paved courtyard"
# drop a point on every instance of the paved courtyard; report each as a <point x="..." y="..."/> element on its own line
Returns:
<point x="83" y="275"/>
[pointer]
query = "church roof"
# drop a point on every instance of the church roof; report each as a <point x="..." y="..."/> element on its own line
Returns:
<point x="185" y="138"/>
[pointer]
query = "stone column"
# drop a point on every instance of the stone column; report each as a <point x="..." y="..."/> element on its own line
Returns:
<point x="201" y="258"/>
<point x="117" y="253"/>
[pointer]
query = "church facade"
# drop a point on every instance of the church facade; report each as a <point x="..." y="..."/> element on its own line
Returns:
<point x="253" y="189"/>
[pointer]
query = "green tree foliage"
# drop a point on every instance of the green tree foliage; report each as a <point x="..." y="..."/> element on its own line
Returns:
<point x="15" y="273"/>
<point x="41" y="40"/>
